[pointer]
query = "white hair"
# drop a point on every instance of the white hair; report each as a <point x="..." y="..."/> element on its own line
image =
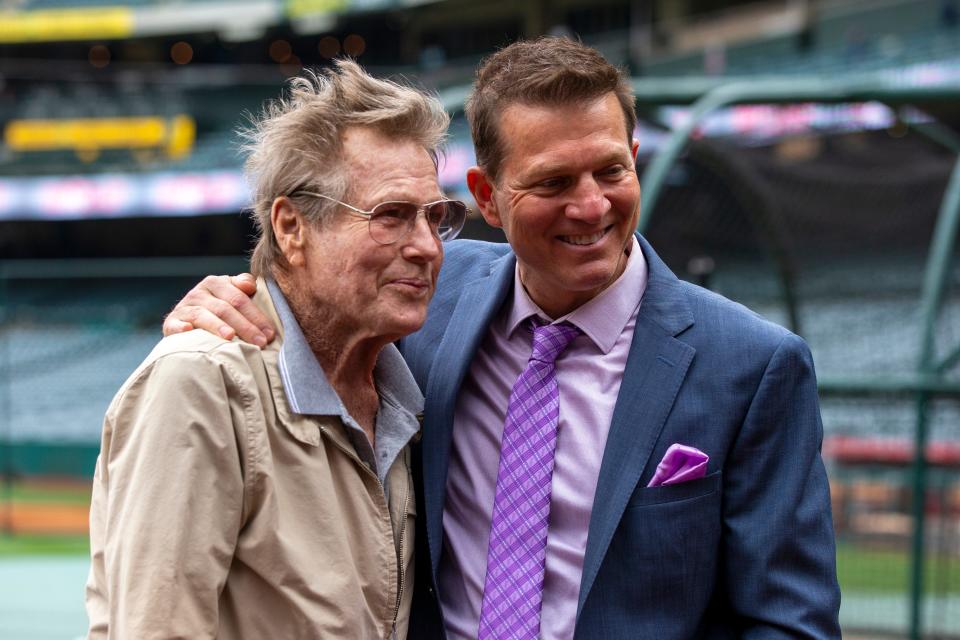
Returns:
<point x="297" y="141"/>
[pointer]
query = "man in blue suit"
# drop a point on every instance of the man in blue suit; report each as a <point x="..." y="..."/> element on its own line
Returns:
<point x="739" y="545"/>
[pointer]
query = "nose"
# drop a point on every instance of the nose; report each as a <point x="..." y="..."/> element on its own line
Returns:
<point x="588" y="202"/>
<point x="421" y="244"/>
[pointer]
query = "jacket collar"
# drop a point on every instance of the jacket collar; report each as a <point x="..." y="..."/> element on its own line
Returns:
<point x="656" y="367"/>
<point x="654" y="373"/>
<point x="305" y="430"/>
<point x="477" y="306"/>
<point x="307" y="404"/>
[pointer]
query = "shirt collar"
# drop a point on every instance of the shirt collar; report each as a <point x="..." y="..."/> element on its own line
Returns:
<point x="306" y="386"/>
<point x="603" y="318"/>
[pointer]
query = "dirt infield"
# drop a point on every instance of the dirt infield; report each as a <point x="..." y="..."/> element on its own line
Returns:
<point x="46" y="519"/>
<point x="45" y="507"/>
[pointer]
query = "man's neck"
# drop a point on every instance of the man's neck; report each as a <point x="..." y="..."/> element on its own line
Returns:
<point x="347" y="358"/>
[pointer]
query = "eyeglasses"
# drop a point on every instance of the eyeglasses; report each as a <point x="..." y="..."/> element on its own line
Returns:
<point x="391" y="221"/>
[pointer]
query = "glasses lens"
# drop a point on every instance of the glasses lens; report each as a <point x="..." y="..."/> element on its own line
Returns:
<point x="447" y="217"/>
<point x="389" y="221"/>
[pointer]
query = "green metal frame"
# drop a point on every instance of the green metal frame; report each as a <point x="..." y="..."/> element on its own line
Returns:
<point x="928" y="381"/>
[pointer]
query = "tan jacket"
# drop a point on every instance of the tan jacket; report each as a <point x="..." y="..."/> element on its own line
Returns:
<point x="219" y="513"/>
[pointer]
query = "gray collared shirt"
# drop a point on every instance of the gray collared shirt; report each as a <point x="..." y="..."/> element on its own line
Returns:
<point x="309" y="392"/>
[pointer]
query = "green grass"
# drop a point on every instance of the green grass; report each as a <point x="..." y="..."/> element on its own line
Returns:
<point x="46" y="493"/>
<point x="27" y="545"/>
<point x="49" y="492"/>
<point x="859" y="569"/>
<point x="885" y="571"/>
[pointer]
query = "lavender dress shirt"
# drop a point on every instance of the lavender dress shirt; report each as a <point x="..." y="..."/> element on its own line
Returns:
<point x="589" y="375"/>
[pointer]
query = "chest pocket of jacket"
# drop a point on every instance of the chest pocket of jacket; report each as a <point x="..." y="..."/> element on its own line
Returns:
<point x="665" y="494"/>
<point x="668" y="541"/>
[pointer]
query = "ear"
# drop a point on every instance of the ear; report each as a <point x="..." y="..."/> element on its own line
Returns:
<point x="634" y="147"/>
<point x="481" y="186"/>
<point x="289" y="228"/>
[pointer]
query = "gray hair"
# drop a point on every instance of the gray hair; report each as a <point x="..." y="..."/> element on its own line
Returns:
<point x="297" y="141"/>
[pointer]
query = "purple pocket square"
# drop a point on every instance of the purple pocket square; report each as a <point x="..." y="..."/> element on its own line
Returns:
<point x="680" y="464"/>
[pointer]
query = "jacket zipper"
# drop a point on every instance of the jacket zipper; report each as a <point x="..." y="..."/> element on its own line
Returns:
<point x="403" y="526"/>
<point x="400" y="567"/>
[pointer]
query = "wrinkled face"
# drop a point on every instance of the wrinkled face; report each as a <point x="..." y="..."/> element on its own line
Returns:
<point x="380" y="290"/>
<point x="567" y="198"/>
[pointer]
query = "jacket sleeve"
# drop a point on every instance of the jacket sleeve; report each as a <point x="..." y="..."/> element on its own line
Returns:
<point x="779" y="556"/>
<point x="167" y="502"/>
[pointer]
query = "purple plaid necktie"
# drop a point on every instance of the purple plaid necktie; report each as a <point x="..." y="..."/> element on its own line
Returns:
<point x="513" y="590"/>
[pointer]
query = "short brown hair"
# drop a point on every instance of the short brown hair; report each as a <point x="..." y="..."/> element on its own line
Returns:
<point x="297" y="141"/>
<point x="548" y="71"/>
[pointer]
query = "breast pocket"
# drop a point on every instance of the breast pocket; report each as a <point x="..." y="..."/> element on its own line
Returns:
<point x="667" y="545"/>
<point x="648" y="496"/>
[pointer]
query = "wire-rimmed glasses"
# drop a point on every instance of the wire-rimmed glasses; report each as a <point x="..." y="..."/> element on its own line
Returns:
<point x="390" y="221"/>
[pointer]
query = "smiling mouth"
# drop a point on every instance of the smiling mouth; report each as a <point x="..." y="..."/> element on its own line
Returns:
<point x="585" y="240"/>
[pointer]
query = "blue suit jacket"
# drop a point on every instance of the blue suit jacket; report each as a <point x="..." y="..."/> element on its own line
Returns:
<point x="745" y="552"/>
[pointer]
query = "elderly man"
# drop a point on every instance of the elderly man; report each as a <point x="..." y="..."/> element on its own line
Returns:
<point x="243" y="493"/>
<point x="608" y="452"/>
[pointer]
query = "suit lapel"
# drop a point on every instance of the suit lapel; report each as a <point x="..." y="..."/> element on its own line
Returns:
<point x="478" y="304"/>
<point x="656" y="368"/>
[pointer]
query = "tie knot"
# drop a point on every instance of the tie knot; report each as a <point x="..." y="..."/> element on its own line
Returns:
<point x="550" y="340"/>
